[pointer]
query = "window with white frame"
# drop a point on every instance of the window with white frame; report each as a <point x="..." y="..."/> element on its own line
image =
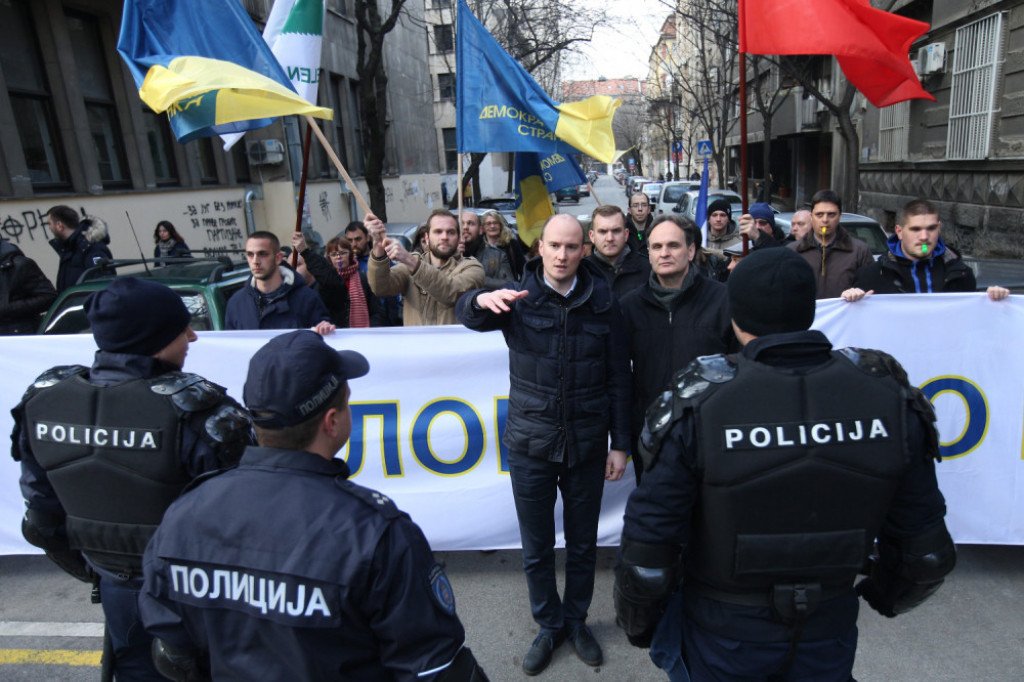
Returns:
<point x="893" y="130"/>
<point x="977" y="57"/>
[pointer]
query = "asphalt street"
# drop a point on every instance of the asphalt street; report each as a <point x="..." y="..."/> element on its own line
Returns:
<point x="973" y="629"/>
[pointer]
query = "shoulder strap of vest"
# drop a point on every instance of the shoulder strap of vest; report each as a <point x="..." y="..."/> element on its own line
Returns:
<point x="188" y="392"/>
<point x="219" y="420"/>
<point x="879" y="363"/>
<point x="876" y="363"/>
<point x="47" y="379"/>
<point x="379" y="502"/>
<point x="687" y="387"/>
<point x="229" y="430"/>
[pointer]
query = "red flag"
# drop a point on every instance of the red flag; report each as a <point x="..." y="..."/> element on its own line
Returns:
<point x="870" y="45"/>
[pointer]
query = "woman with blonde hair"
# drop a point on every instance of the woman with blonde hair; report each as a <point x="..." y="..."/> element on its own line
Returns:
<point x="499" y="235"/>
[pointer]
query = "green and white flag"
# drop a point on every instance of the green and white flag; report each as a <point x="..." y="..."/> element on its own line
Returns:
<point x="295" y="31"/>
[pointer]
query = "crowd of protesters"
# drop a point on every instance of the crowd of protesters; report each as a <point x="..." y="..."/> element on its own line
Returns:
<point x="594" y="337"/>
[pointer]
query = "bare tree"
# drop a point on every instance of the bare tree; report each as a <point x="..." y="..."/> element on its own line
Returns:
<point x="629" y="127"/>
<point x="373" y="90"/>
<point x="768" y="97"/>
<point x="707" y="77"/>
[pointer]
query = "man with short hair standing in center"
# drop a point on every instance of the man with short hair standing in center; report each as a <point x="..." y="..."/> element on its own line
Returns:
<point x="639" y="220"/>
<point x="570" y="388"/>
<point x="275" y="297"/>
<point x="834" y="253"/>
<point x="675" y="317"/>
<point x="624" y="268"/>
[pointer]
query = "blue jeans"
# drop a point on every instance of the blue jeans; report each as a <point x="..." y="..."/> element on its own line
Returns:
<point x="535" y="484"/>
<point x="132" y="657"/>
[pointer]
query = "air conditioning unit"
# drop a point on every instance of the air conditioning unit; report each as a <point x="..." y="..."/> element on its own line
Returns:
<point x="265" y="152"/>
<point x="931" y="59"/>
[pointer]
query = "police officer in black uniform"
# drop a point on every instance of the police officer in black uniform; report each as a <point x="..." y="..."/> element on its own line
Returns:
<point x="304" y="575"/>
<point x="104" y="450"/>
<point x="776" y="473"/>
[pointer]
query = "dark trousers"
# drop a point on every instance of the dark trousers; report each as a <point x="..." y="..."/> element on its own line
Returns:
<point x="132" y="657"/>
<point x="713" y="657"/>
<point x="535" y="484"/>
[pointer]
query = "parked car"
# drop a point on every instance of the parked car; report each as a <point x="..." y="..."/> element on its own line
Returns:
<point x="652" y="190"/>
<point x="1002" y="272"/>
<point x="509" y="216"/>
<point x="862" y="227"/>
<point x="670" y="194"/>
<point x="687" y="205"/>
<point x="403" y="232"/>
<point x="634" y="183"/>
<point x="204" y="284"/>
<point x="500" y="204"/>
<point x="584" y="190"/>
<point x="570" y="193"/>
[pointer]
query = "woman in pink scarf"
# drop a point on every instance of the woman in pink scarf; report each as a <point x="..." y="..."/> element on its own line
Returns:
<point x="364" y="308"/>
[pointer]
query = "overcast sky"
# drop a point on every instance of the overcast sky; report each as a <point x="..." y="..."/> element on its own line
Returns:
<point x="621" y="51"/>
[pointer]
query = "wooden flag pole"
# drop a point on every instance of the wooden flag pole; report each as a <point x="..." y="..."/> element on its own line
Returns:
<point x="337" y="164"/>
<point x="743" y="141"/>
<point x="458" y="171"/>
<point x="302" y="189"/>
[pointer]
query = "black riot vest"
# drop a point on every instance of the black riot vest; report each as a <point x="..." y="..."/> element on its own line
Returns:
<point x="112" y="456"/>
<point x="799" y="468"/>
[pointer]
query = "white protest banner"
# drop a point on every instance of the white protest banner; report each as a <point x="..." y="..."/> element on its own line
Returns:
<point x="428" y="416"/>
<point x="425" y="426"/>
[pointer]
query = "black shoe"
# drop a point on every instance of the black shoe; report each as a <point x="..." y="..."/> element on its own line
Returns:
<point x="587" y="648"/>
<point x="539" y="655"/>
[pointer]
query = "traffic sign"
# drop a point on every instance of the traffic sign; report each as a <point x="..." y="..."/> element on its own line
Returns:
<point x="677" y="146"/>
<point x="704" y="148"/>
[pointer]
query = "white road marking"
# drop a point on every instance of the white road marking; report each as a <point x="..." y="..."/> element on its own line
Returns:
<point x="14" y="628"/>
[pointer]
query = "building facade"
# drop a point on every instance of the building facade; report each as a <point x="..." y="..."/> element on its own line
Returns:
<point x="965" y="151"/>
<point x="74" y="131"/>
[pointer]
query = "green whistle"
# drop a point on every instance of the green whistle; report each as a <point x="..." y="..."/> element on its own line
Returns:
<point x="924" y="248"/>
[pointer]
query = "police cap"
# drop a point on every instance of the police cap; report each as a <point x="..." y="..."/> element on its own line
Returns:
<point x="294" y="376"/>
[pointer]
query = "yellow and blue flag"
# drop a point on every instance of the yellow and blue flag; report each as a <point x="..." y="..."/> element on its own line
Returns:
<point x="502" y="109"/>
<point x="536" y="178"/>
<point x="204" y="63"/>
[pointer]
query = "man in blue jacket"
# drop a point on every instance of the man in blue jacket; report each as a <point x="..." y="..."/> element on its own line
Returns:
<point x="275" y="297"/>
<point x="917" y="262"/>
<point x="570" y="388"/>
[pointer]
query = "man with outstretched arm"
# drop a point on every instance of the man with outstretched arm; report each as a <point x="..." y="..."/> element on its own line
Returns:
<point x="570" y="389"/>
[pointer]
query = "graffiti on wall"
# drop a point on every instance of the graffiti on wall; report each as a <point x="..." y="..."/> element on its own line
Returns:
<point x="217" y="223"/>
